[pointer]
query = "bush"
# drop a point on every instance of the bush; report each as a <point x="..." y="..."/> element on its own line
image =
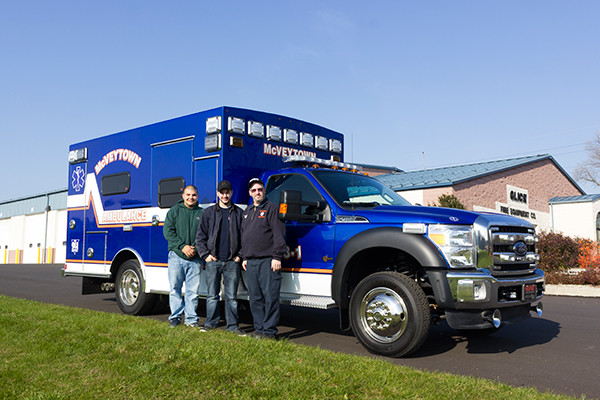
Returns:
<point x="450" y="201"/>
<point x="589" y="254"/>
<point x="562" y="278"/>
<point x="557" y="252"/>
<point x="590" y="276"/>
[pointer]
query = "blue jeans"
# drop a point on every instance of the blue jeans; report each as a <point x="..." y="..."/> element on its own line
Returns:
<point x="188" y="271"/>
<point x="263" y="285"/>
<point x="230" y="270"/>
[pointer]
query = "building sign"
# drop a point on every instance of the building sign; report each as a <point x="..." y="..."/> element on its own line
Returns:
<point x="517" y="203"/>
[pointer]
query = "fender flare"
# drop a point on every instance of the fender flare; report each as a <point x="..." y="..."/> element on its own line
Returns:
<point x="118" y="260"/>
<point x="418" y="246"/>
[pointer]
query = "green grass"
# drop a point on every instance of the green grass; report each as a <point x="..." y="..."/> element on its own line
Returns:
<point x="56" y="352"/>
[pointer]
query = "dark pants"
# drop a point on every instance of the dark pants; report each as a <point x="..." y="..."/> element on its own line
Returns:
<point x="230" y="270"/>
<point x="263" y="290"/>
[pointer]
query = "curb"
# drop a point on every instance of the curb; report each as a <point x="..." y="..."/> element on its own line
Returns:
<point x="572" y="290"/>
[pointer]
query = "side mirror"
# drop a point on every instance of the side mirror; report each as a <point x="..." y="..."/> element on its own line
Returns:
<point x="290" y="207"/>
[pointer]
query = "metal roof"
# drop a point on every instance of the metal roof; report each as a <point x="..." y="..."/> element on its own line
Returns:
<point x="380" y="167"/>
<point x="448" y="176"/>
<point x="57" y="200"/>
<point x="574" y="199"/>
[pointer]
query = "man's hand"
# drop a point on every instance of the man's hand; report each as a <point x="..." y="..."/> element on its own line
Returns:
<point x="244" y="264"/>
<point x="210" y="258"/>
<point x="275" y="265"/>
<point x="188" y="250"/>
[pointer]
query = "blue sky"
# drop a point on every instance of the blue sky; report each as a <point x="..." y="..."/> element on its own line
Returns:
<point x="410" y="84"/>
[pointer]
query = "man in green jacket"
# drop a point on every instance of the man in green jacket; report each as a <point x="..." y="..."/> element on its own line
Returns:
<point x="184" y="264"/>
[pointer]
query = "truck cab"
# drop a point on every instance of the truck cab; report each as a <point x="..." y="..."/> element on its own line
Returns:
<point x="394" y="268"/>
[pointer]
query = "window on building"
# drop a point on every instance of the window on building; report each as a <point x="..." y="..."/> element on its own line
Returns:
<point x="598" y="228"/>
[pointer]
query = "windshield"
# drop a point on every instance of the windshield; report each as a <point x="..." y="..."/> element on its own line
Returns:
<point x="353" y="190"/>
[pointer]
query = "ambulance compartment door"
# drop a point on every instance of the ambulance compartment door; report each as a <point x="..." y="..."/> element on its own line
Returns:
<point x="206" y="178"/>
<point x="171" y="173"/>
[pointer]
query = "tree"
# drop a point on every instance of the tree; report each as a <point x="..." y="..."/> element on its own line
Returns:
<point x="589" y="170"/>
<point x="450" y="201"/>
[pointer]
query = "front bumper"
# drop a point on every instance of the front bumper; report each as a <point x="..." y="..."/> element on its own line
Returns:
<point x="469" y="298"/>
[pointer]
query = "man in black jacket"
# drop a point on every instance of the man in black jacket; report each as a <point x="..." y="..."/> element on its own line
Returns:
<point x="218" y="244"/>
<point x="263" y="247"/>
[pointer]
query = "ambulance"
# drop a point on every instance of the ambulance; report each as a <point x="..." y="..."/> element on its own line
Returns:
<point x="390" y="268"/>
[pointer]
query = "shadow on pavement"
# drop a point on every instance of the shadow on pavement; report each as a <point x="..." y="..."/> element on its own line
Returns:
<point x="507" y="339"/>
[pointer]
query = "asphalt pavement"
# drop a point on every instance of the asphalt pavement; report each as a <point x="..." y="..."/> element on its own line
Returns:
<point x="558" y="352"/>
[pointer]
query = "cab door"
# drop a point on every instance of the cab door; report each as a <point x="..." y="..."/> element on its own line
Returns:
<point x="309" y="260"/>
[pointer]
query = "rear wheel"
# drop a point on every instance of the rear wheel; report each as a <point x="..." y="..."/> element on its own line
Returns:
<point x="129" y="289"/>
<point x="389" y="314"/>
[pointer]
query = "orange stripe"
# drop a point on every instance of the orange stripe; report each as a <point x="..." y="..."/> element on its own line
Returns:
<point x="152" y="264"/>
<point x="309" y="270"/>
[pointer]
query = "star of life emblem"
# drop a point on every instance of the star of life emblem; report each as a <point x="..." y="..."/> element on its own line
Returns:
<point x="78" y="179"/>
<point x="74" y="246"/>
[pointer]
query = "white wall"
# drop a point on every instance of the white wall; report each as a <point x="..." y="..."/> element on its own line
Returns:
<point x="575" y="219"/>
<point x="412" y="196"/>
<point x="25" y="234"/>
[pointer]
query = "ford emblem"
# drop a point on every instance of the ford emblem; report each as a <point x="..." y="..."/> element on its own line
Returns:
<point x="520" y="248"/>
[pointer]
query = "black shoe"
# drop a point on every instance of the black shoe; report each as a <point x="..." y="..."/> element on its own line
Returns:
<point x="257" y="335"/>
<point x="238" y="332"/>
<point x="174" y="323"/>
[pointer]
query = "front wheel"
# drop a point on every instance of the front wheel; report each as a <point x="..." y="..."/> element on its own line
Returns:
<point x="129" y="289"/>
<point x="389" y="314"/>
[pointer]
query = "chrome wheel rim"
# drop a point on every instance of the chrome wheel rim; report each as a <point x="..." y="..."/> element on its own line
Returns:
<point x="383" y="315"/>
<point x="129" y="288"/>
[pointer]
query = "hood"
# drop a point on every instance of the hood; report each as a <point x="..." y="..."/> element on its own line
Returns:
<point x="432" y="215"/>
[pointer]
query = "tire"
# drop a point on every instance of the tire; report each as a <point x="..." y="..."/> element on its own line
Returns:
<point x="389" y="314"/>
<point x="129" y="290"/>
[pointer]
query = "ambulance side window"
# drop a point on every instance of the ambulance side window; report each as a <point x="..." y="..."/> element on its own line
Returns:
<point x="169" y="191"/>
<point x="115" y="183"/>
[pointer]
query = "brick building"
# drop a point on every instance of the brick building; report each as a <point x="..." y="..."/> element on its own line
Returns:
<point x="520" y="186"/>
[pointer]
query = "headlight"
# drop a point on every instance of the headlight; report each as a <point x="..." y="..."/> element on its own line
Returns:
<point x="456" y="242"/>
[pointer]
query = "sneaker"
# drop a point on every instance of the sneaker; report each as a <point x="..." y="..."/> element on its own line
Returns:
<point x="193" y="325"/>
<point x="206" y="328"/>
<point x="257" y="335"/>
<point x="174" y="323"/>
<point x="238" y="332"/>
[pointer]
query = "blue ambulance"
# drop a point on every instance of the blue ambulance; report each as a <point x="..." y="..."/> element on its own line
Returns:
<point x="392" y="269"/>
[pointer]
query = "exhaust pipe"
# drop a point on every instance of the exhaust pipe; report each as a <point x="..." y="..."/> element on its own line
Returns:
<point x="539" y="309"/>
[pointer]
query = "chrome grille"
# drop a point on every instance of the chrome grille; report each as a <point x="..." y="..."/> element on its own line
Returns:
<point x="513" y="250"/>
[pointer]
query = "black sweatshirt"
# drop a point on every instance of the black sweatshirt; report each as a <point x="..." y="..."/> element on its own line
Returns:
<point x="263" y="233"/>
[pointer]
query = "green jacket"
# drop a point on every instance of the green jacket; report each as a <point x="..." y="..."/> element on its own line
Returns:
<point x="180" y="227"/>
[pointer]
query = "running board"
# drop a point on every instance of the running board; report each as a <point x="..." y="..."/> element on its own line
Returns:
<point x="320" y="302"/>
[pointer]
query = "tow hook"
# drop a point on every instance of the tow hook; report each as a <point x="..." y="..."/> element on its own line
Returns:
<point x="494" y="317"/>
